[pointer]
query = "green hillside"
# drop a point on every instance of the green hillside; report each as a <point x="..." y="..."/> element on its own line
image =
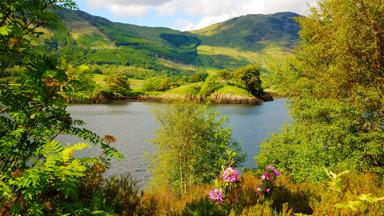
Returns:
<point x="248" y="39"/>
<point x="252" y="32"/>
<point x="237" y="42"/>
<point x="96" y="40"/>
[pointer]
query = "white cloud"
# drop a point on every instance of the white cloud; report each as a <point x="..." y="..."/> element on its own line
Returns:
<point x="209" y="20"/>
<point x="183" y="25"/>
<point x="128" y="10"/>
<point x="210" y="11"/>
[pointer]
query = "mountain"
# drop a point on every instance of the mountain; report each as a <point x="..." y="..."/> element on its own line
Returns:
<point x="84" y="38"/>
<point x="252" y="32"/>
<point x="249" y="39"/>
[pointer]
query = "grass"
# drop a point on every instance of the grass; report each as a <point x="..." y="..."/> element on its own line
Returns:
<point x="287" y="198"/>
<point x="232" y="52"/>
<point x="136" y="84"/>
<point x="210" y="30"/>
<point x="178" y="66"/>
<point x="212" y="71"/>
<point x="264" y="58"/>
<point x="189" y="89"/>
<point x="99" y="79"/>
<point x="233" y="90"/>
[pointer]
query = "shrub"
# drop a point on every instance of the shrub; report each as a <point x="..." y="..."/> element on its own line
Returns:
<point x="336" y="94"/>
<point x="161" y="83"/>
<point x="118" y="83"/>
<point x="249" y="77"/>
<point x="192" y="145"/>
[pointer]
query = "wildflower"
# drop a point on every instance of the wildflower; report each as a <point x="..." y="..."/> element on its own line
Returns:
<point x="266" y="176"/>
<point x="267" y="180"/>
<point x="230" y="175"/>
<point x="216" y="195"/>
<point x="273" y="169"/>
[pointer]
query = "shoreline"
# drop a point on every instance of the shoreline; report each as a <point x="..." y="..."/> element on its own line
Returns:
<point x="164" y="98"/>
<point x="213" y="99"/>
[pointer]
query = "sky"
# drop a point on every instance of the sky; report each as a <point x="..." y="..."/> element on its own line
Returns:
<point x="186" y="14"/>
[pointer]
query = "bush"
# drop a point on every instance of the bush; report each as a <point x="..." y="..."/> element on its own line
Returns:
<point x="118" y="83"/>
<point x="192" y="146"/>
<point x="249" y="77"/>
<point x="162" y="83"/>
<point x="198" y="77"/>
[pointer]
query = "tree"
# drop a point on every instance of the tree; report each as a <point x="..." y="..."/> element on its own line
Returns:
<point x="249" y="76"/>
<point x="118" y="83"/>
<point x="82" y="80"/>
<point x="336" y="89"/>
<point x="192" y="146"/>
<point x="36" y="169"/>
<point x="199" y="76"/>
<point x="19" y="21"/>
<point x="160" y="83"/>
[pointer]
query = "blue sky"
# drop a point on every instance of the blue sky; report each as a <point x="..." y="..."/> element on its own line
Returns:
<point x="186" y="14"/>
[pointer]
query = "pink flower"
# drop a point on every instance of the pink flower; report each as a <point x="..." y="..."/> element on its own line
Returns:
<point x="273" y="169"/>
<point x="216" y="195"/>
<point x="230" y="175"/>
<point x="266" y="176"/>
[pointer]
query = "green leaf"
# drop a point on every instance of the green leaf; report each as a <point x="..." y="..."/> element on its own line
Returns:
<point x="4" y="30"/>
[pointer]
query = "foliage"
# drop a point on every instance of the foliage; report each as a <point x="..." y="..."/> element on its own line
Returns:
<point x="35" y="112"/>
<point x="50" y="183"/>
<point x="103" y="41"/>
<point x="179" y="40"/>
<point x="116" y="195"/>
<point x="198" y="77"/>
<point x="118" y="84"/>
<point x="287" y="198"/>
<point x="211" y="84"/>
<point x="232" y="90"/>
<point x="131" y="71"/>
<point x="192" y="146"/>
<point x="360" y="205"/>
<point x="160" y="83"/>
<point x="185" y="90"/>
<point x="38" y="175"/>
<point x="249" y="77"/>
<point x="82" y="81"/>
<point x="336" y="93"/>
<point x="33" y="115"/>
<point x="18" y="26"/>
<point x="243" y="82"/>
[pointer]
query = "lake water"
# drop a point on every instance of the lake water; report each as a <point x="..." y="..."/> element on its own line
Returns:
<point x="134" y="126"/>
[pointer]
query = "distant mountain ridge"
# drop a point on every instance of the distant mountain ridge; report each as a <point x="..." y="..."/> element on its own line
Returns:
<point x="157" y="41"/>
<point x="101" y="41"/>
<point x="252" y="32"/>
